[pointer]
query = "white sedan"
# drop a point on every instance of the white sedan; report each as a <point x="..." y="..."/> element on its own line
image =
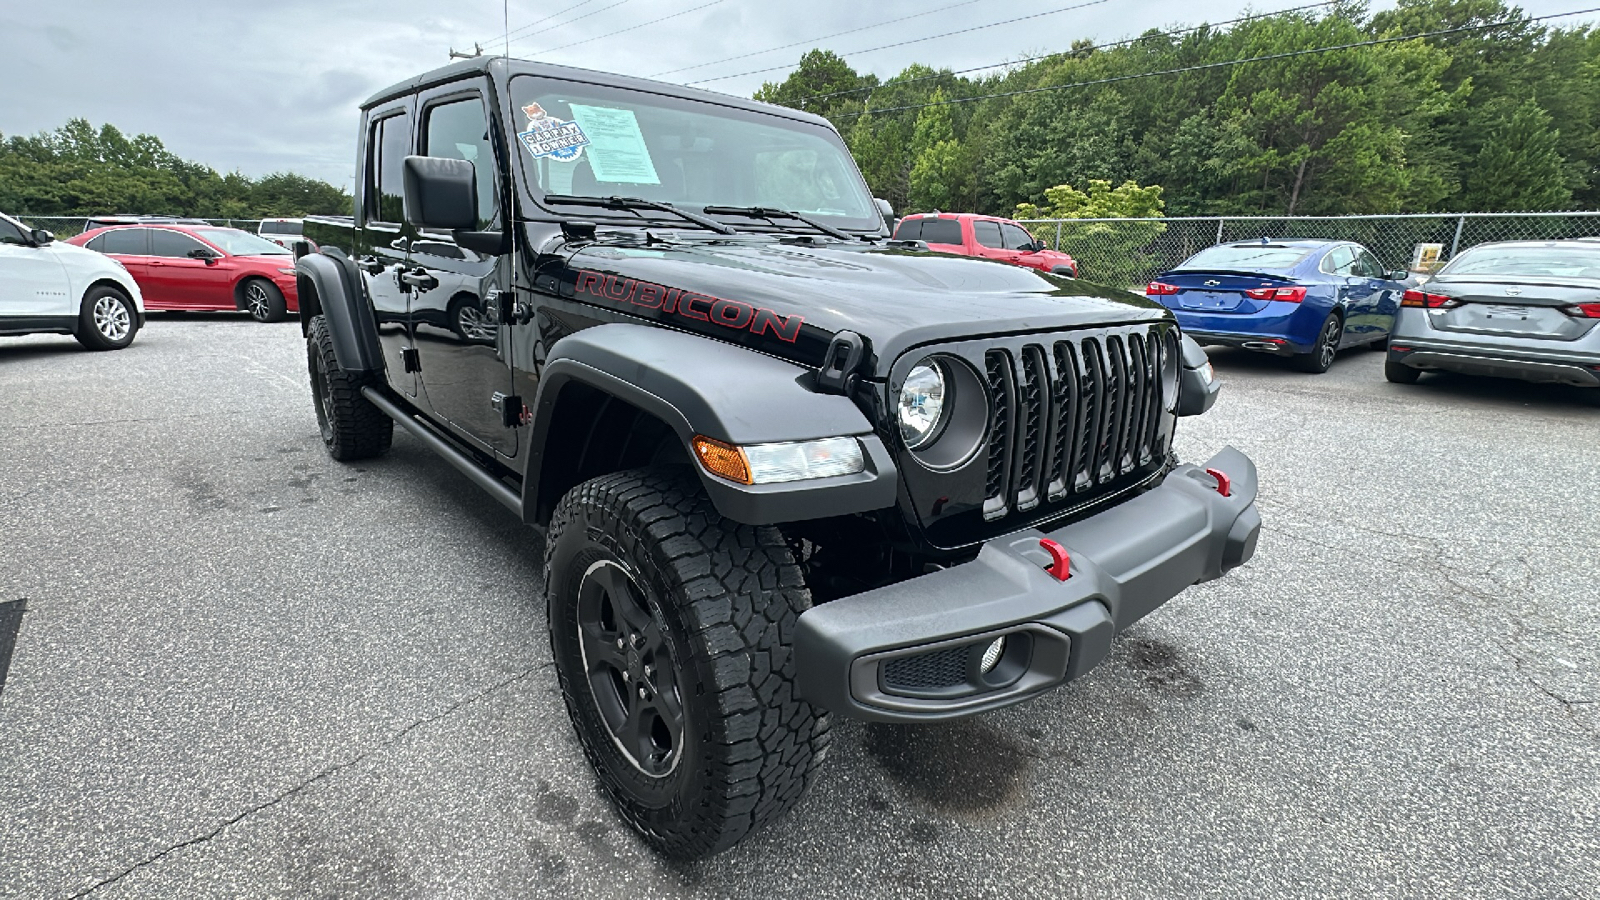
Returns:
<point x="49" y="286"/>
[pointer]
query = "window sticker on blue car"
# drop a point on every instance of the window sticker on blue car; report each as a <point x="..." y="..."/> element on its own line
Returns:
<point x="617" y="152"/>
<point x="547" y="135"/>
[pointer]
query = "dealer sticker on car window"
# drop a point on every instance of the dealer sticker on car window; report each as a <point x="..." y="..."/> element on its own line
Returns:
<point x="549" y="136"/>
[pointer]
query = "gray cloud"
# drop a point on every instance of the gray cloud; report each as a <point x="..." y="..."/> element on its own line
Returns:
<point x="275" y="86"/>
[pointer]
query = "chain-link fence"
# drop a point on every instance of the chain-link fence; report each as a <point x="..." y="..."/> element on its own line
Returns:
<point x="1129" y="252"/>
<point x="69" y="226"/>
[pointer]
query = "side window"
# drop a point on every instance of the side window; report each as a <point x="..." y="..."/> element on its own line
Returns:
<point x="386" y="155"/>
<point x="11" y="234"/>
<point x="1339" y="261"/>
<point x="1368" y="266"/>
<point x="988" y="234"/>
<point x="171" y="244"/>
<point x="909" y="230"/>
<point x="941" y="231"/>
<point x="460" y="130"/>
<point x="1016" y="236"/>
<point x="125" y="241"/>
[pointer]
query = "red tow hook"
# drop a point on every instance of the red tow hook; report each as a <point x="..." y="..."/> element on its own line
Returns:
<point x="1224" y="484"/>
<point x="1060" y="563"/>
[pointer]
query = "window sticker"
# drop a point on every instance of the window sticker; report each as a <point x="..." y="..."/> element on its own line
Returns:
<point x="617" y="151"/>
<point x="549" y="136"/>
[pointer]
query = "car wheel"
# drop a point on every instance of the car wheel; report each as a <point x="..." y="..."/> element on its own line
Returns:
<point x="263" y="301"/>
<point x="1400" y="373"/>
<point x="670" y="627"/>
<point x="467" y="320"/>
<point x="1327" y="347"/>
<point x="352" y="428"/>
<point x="107" y="319"/>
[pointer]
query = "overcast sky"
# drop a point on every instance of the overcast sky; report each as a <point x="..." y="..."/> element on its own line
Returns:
<point x="274" y="86"/>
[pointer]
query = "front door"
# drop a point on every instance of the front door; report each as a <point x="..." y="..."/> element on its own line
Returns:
<point x="380" y="253"/>
<point x="32" y="281"/>
<point x="464" y="350"/>
<point x="181" y="279"/>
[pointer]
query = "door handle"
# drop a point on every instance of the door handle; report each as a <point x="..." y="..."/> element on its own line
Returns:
<point x="419" y="279"/>
<point x="370" y="265"/>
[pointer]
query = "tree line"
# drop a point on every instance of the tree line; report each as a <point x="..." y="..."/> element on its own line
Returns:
<point x="78" y="170"/>
<point x="1500" y="114"/>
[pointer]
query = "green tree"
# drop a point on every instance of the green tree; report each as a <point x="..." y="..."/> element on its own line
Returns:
<point x="1519" y="166"/>
<point x="1111" y="253"/>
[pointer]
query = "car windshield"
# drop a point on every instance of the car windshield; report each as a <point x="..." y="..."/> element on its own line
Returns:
<point x="1247" y="257"/>
<point x="595" y="141"/>
<point x="241" y="243"/>
<point x="1575" y="261"/>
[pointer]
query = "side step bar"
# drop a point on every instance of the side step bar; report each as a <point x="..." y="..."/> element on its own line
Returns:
<point x="453" y="456"/>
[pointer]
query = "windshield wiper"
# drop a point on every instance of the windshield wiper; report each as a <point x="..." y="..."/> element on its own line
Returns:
<point x="638" y="203"/>
<point x="768" y="213"/>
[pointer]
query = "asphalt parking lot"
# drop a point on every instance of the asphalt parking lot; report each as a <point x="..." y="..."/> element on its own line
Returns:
<point x="247" y="670"/>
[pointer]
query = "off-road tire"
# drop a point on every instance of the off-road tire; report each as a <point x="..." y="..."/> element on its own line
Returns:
<point x="263" y="301"/>
<point x="1400" y="373"/>
<point x="107" y="319"/>
<point x="727" y="597"/>
<point x="1320" y="359"/>
<point x="352" y="428"/>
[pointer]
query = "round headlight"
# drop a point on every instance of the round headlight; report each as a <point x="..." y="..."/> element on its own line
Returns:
<point x="922" y="404"/>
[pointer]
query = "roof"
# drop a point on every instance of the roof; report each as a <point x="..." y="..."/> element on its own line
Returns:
<point x="976" y="217"/>
<point x="499" y="67"/>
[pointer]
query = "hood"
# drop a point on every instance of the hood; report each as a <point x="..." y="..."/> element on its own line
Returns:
<point x="790" y="297"/>
<point x="285" y="261"/>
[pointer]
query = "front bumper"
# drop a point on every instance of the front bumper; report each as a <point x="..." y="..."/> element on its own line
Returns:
<point x="914" y="651"/>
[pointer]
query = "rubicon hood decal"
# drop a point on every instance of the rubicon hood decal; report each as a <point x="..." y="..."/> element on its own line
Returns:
<point x="690" y="305"/>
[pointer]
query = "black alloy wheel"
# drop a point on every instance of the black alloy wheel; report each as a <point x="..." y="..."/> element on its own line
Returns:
<point x="670" y="628"/>
<point x="264" y="301"/>
<point x="1320" y="359"/>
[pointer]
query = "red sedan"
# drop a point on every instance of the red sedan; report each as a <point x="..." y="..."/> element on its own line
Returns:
<point x="970" y="234"/>
<point x="202" y="267"/>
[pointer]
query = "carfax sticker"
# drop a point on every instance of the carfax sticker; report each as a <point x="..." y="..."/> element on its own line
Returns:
<point x="549" y="136"/>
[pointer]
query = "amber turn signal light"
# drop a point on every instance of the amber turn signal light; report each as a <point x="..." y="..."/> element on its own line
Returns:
<point x="722" y="460"/>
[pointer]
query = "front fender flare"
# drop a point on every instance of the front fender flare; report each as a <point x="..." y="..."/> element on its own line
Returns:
<point x="336" y="293"/>
<point x="699" y="386"/>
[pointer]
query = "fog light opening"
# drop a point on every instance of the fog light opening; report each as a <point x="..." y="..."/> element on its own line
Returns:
<point x="992" y="654"/>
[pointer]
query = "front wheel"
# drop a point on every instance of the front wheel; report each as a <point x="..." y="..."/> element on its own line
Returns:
<point x="264" y="301"/>
<point x="1320" y="359"/>
<point x="107" y="320"/>
<point x="352" y="428"/>
<point x="670" y="628"/>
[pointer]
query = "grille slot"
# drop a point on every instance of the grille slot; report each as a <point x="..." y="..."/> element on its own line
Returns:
<point x="1071" y="415"/>
<point x="927" y="671"/>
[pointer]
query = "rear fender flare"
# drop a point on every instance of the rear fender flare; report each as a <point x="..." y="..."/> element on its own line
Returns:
<point x="698" y="386"/>
<point x="329" y="285"/>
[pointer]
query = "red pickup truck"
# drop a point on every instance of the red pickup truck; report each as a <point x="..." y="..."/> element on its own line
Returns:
<point x="970" y="234"/>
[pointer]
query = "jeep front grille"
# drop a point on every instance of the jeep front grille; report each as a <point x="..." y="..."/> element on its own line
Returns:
<point x="1071" y="415"/>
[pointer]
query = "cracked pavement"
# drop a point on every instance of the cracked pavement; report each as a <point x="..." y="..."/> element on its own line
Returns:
<point x="246" y="670"/>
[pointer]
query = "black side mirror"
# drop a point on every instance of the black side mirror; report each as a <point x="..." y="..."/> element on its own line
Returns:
<point x="203" y="254"/>
<point x="40" y="237"/>
<point x="441" y="193"/>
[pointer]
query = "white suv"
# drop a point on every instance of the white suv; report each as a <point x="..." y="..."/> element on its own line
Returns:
<point x="47" y="286"/>
<point x="283" y="232"/>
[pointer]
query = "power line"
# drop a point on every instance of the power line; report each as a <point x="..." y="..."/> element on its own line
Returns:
<point x="1106" y="46"/>
<point x="509" y="34"/>
<point x="1226" y="64"/>
<point x="570" y="21"/>
<point x="813" y="41"/>
<point x="632" y="27"/>
<point x="915" y="40"/>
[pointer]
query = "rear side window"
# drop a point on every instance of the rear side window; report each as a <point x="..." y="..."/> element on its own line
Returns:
<point x="1017" y="238"/>
<point x="171" y="244"/>
<point x="987" y="234"/>
<point x="1246" y="257"/>
<point x="126" y="241"/>
<point x="460" y="130"/>
<point x="909" y="230"/>
<point x="941" y="231"/>
<point x="386" y="155"/>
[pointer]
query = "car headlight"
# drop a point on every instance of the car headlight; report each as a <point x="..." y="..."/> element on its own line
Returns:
<point x="287" y="271"/>
<point x="922" y="404"/>
<point x="781" y="462"/>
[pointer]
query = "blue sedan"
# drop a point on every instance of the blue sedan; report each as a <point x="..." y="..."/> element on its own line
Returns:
<point x="1304" y="300"/>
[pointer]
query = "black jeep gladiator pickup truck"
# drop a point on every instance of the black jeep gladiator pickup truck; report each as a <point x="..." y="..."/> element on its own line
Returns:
<point x="787" y="467"/>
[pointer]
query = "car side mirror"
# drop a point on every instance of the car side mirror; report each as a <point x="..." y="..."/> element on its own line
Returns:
<point x="1399" y="275"/>
<point x="441" y="193"/>
<point x="40" y="237"/>
<point x="204" y="255"/>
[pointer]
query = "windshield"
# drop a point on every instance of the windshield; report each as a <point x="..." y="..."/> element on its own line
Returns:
<point x="1246" y="257"/>
<point x="595" y="141"/>
<point x="241" y="243"/>
<point x="1576" y="261"/>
